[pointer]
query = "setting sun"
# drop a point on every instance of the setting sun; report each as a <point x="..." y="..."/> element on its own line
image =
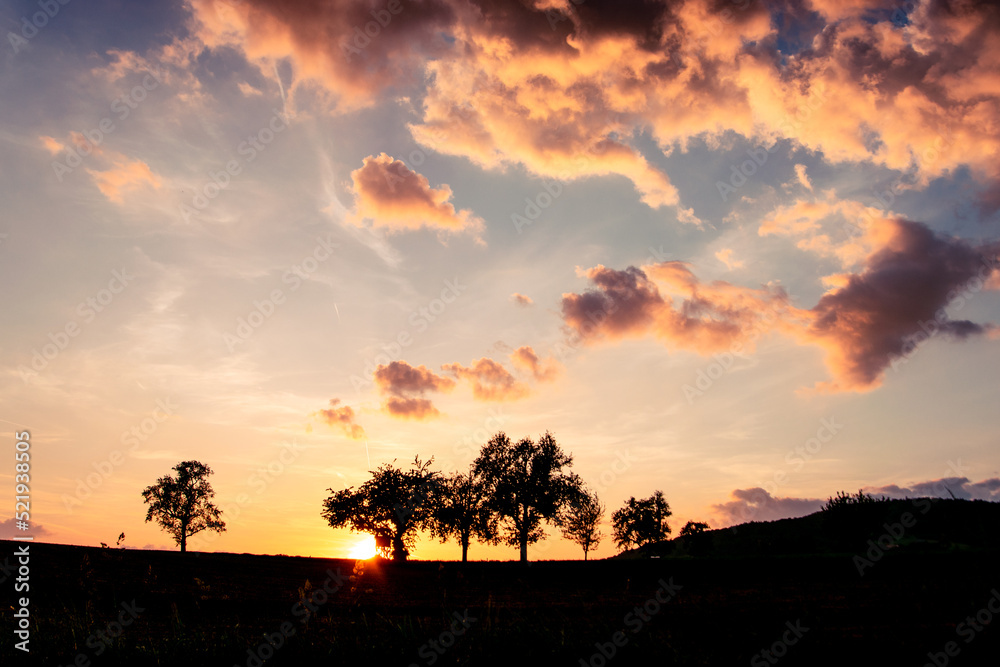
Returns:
<point x="364" y="548"/>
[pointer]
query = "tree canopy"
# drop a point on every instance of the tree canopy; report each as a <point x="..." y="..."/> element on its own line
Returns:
<point x="581" y="518"/>
<point x="462" y="510"/>
<point x="693" y="528"/>
<point x="527" y="483"/>
<point x="182" y="504"/>
<point x="641" y="522"/>
<point x="392" y="505"/>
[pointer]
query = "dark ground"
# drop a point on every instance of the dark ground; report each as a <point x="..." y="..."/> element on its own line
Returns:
<point x="213" y="608"/>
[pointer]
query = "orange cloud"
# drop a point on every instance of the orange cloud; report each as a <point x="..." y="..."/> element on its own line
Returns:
<point x="867" y="321"/>
<point x="562" y="87"/>
<point x="53" y="146"/>
<point x="392" y="196"/>
<point x="521" y="299"/>
<point x="406" y="385"/>
<point x="124" y="176"/>
<point x="525" y="359"/>
<point x="709" y="317"/>
<point x="726" y="257"/>
<point x="802" y="177"/>
<point x="338" y="45"/>
<point x="410" y="408"/>
<point x="490" y="380"/>
<point x="343" y="417"/>
<point x="874" y="318"/>
<point x="845" y="229"/>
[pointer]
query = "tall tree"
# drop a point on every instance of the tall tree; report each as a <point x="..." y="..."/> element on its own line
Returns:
<point x="581" y="518"/>
<point x="392" y="505"/>
<point x="182" y="505"/>
<point x="461" y="510"/>
<point x="641" y="522"/>
<point x="527" y="483"/>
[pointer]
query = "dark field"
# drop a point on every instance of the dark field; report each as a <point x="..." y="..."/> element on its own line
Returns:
<point x="214" y="608"/>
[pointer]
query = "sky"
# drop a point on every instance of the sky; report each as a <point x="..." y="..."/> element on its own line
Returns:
<point x="743" y="252"/>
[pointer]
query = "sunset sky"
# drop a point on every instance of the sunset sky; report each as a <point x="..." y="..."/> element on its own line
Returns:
<point x="744" y="252"/>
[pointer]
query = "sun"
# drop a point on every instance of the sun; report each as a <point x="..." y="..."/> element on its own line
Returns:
<point x="364" y="548"/>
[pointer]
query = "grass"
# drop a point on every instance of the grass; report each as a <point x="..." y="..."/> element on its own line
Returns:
<point x="214" y="608"/>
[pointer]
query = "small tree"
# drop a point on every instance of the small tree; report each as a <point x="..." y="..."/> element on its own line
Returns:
<point x="461" y="510"/>
<point x="641" y="522"/>
<point x="527" y="483"/>
<point x="693" y="528"/>
<point x="850" y="520"/>
<point x="182" y="505"/>
<point x="843" y="499"/>
<point x="391" y="506"/>
<point x="580" y="519"/>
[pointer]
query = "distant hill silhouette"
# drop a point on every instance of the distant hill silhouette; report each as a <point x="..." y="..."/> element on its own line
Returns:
<point x="934" y="525"/>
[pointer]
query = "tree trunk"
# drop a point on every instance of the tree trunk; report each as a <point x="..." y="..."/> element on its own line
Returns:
<point x="398" y="549"/>
<point x="524" y="537"/>
<point x="465" y="551"/>
<point x="184" y="538"/>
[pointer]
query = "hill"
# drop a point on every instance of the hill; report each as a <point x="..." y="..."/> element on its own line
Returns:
<point x="892" y="526"/>
<point x="757" y="592"/>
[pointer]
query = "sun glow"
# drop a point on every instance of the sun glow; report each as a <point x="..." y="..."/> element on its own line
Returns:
<point x="364" y="548"/>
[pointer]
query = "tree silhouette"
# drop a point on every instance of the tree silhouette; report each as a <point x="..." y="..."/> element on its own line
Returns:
<point x="182" y="505"/>
<point x="843" y="499"/>
<point x="580" y="519"/>
<point x="526" y="483"/>
<point x="392" y="505"/>
<point x="693" y="528"/>
<point x="461" y="510"/>
<point x="849" y="519"/>
<point x="641" y="522"/>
